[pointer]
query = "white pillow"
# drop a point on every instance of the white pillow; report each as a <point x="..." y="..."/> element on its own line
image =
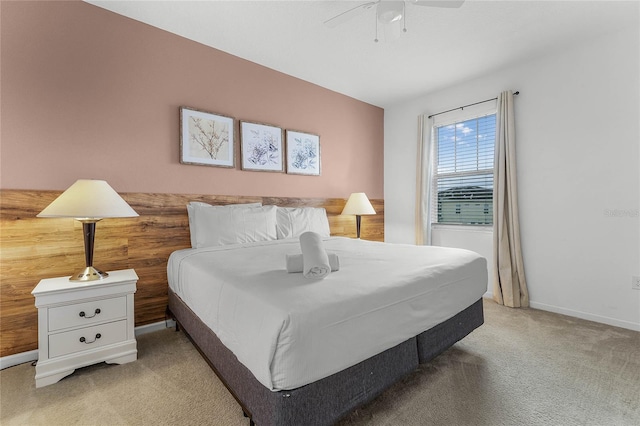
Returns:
<point x="193" y="226"/>
<point x="293" y="221"/>
<point x="216" y="227"/>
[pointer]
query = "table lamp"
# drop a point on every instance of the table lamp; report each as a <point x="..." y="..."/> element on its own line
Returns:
<point x="88" y="201"/>
<point x="358" y="204"/>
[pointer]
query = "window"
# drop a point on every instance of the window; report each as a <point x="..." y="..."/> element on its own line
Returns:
<point x="463" y="178"/>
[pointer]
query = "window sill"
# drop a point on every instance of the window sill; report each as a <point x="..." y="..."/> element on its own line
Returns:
<point x="461" y="227"/>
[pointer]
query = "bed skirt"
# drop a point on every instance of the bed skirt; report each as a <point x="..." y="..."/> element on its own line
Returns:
<point x="325" y="401"/>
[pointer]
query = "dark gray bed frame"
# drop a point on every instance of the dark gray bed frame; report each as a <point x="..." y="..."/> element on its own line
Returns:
<point x="325" y="401"/>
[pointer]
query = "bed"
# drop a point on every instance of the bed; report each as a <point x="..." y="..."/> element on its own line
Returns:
<point x="297" y="351"/>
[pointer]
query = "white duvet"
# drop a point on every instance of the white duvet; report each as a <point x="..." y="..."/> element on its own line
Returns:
<point x="290" y="331"/>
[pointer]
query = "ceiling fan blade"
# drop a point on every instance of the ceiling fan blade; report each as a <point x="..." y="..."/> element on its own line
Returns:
<point x="452" y="4"/>
<point x="348" y="14"/>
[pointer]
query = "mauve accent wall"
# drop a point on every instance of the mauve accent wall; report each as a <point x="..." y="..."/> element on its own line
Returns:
<point x="87" y="93"/>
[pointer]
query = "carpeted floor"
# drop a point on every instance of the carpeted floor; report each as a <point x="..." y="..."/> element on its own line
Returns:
<point x="522" y="367"/>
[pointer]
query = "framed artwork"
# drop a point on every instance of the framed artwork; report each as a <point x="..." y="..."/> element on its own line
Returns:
<point x="303" y="153"/>
<point x="206" y="138"/>
<point x="261" y="147"/>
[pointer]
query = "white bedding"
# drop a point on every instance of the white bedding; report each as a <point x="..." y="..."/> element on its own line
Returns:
<point x="290" y="331"/>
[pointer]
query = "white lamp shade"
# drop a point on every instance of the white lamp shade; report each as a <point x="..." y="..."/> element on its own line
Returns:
<point x="89" y="199"/>
<point x="358" y="204"/>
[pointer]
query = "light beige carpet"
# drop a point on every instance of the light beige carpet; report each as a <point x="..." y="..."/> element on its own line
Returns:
<point x="522" y="367"/>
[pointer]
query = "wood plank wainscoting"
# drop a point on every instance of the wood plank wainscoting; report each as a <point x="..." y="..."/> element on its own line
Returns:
<point x="33" y="248"/>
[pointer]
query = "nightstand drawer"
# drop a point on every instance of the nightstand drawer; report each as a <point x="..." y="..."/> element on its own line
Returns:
<point x="87" y="313"/>
<point x="87" y="338"/>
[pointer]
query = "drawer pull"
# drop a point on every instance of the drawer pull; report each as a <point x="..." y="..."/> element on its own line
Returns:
<point x="82" y="314"/>
<point x="83" y="340"/>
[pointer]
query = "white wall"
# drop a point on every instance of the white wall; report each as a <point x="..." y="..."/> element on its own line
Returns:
<point x="478" y="239"/>
<point x="578" y="156"/>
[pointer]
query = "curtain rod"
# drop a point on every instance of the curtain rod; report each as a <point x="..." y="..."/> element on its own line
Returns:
<point x="465" y="106"/>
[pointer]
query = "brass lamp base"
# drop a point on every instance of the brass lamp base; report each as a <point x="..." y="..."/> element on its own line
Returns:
<point x="88" y="274"/>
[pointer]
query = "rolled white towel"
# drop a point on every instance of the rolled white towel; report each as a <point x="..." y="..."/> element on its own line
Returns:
<point x="296" y="264"/>
<point x="315" y="260"/>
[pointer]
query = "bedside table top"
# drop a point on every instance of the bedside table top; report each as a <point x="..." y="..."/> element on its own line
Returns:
<point x="62" y="285"/>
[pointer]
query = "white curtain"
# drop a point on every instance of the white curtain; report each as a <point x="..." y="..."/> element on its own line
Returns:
<point x="509" y="284"/>
<point x="424" y="174"/>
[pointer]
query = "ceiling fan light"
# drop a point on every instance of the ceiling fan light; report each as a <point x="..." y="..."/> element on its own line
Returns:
<point x="390" y="11"/>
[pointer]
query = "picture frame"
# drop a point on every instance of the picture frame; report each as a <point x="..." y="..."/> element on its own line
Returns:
<point x="206" y="138"/>
<point x="261" y="147"/>
<point x="303" y="153"/>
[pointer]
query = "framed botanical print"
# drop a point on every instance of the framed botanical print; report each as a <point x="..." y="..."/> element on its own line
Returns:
<point x="206" y="138"/>
<point x="303" y="153"/>
<point x="261" y="147"/>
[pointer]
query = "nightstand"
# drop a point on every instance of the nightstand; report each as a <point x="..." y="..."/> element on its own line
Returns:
<point x="83" y="323"/>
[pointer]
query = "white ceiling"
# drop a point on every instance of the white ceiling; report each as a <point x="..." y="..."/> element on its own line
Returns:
<point x="440" y="48"/>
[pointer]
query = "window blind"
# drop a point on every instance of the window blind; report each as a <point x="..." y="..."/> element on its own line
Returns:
<point x="463" y="177"/>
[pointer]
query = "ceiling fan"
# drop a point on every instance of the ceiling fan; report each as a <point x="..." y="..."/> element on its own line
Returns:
<point x="388" y="11"/>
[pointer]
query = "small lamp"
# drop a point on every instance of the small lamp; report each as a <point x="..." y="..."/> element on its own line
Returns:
<point x="88" y="201"/>
<point x="358" y="204"/>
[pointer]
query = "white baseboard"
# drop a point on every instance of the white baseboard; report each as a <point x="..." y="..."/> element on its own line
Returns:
<point x="30" y="356"/>
<point x="586" y="316"/>
<point x="156" y="326"/>
<point x="15" y="359"/>
<point x="577" y="314"/>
